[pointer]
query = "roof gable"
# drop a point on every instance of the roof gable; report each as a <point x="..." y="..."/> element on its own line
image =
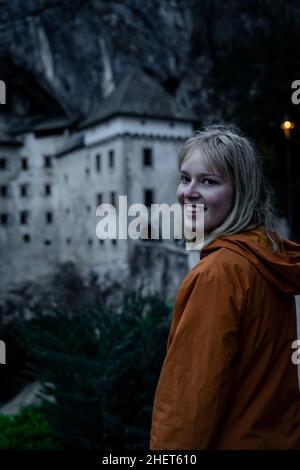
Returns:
<point x="139" y="95"/>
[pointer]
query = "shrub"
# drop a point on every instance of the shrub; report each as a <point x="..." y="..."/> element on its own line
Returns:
<point x="27" y="430"/>
<point x="13" y="376"/>
<point x="101" y="367"/>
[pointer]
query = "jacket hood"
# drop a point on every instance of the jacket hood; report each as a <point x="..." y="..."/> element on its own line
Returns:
<point x="281" y="269"/>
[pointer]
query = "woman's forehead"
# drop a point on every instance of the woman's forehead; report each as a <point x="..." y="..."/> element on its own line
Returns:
<point x="196" y="162"/>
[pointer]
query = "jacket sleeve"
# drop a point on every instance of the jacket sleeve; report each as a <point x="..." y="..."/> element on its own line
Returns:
<point x="192" y="392"/>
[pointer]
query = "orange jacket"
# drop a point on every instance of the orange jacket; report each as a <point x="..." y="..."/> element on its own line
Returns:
<point x="228" y="380"/>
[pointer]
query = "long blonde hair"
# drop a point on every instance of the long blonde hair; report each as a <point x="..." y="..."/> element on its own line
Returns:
<point x="239" y="162"/>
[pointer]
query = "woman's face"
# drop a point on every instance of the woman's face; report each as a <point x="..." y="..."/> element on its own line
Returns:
<point x="199" y="185"/>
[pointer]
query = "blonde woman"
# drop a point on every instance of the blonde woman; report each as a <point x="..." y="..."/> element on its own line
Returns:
<point x="228" y="380"/>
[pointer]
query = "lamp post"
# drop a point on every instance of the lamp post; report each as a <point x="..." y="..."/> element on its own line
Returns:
<point x="287" y="127"/>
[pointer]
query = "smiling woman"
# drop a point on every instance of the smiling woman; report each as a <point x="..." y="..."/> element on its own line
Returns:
<point x="198" y="186"/>
<point x="240" y="195"/>
<point x="228" y="381"/>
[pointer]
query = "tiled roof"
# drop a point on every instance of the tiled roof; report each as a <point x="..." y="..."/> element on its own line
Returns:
<point x="40" y="125"/>
<point x="139" y="95"/>
<point x="73" y="142"/>
<point x="51" y="124"/>
<point x="8" y="140"/>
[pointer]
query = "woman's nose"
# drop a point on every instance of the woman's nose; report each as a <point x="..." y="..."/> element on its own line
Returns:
<point x="190" y="192"/>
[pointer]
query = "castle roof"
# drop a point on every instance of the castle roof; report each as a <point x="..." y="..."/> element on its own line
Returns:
<point x="139" y="95"/>
<point x="6" y="140"/>
<point x="74" y="142"/>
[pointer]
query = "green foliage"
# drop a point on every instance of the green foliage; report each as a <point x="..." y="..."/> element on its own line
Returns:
<point x="101" y="367"/>
<point x="27" y="430"/>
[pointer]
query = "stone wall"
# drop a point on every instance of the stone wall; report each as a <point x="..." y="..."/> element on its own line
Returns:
<point x="158" y="268"/>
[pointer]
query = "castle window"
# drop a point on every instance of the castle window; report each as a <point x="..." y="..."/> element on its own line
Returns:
<point x="24" y="163"/>
<point x="87" y="171"/>
<point x="99" y="199"/>
<point x="3" y="164"/>
<point x="111" y="159"/>
<point x="148" y="197"/>
<point x="68" y="241"/>
<point x="147" y="157"/>
<point x="26" y="238"/>
<point x="47" y="161"/>
<point x="24" y="217"/>
<point x="4" y="219"/>
<point x="98" y="162"/>
<point x="113" y="198"/>
<point x="48" y="189"/>
<point x="49" y="217"/>
<point x="24" y="190"/>
<point x="90" y="242"/>
<point x="47" y="242"/>
<point x="4" y="191"/>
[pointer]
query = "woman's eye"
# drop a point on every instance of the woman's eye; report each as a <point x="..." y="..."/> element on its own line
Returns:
<point x="208" y="181"/>
<point x="184" y="179"/>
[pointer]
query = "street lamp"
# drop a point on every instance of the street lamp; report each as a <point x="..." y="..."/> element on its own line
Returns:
<point x="287" y="126"/>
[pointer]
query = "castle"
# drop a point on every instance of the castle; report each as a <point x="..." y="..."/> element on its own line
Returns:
<point x="54" y="173"/>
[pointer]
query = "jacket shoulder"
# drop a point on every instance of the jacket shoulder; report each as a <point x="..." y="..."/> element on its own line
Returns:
<point x="226" y="264"/>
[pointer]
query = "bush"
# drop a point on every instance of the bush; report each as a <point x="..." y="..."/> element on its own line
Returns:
<point x="27" y="430"/>
<point x="13" y="375"/>
<point x="101" y="367"/>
